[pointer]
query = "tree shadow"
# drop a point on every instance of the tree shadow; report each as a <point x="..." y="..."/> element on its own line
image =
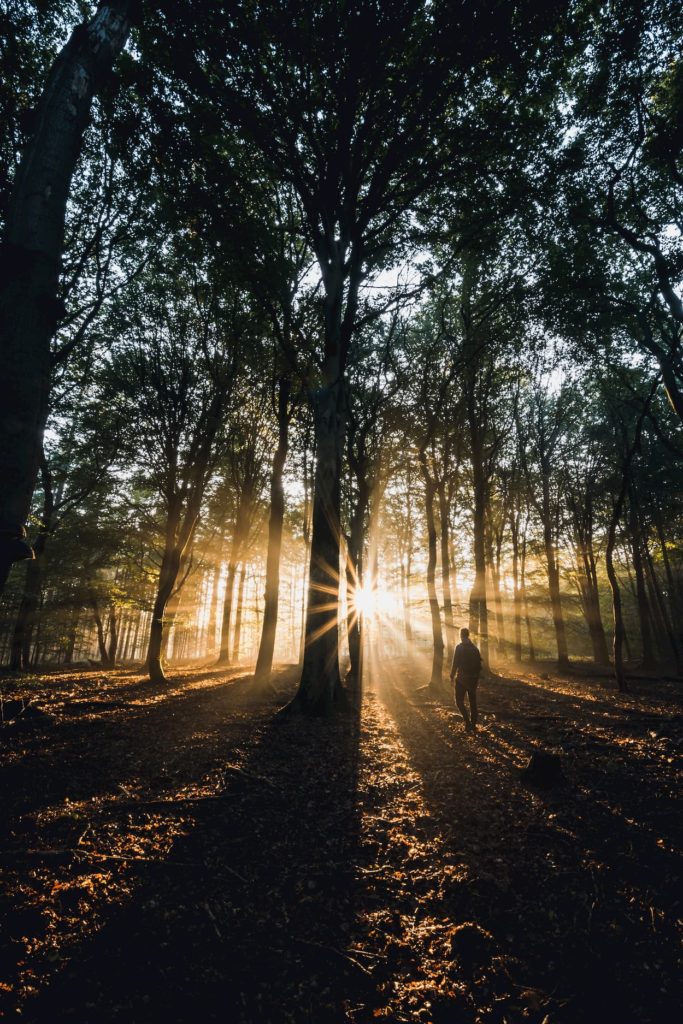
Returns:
<point x="564" y="880"/>
<point x="245" y="917"/>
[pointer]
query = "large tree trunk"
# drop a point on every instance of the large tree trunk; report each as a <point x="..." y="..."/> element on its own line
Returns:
<point x="30" y="258"/>
<point x="264" y="660"/>
<point x="306" y="530"/>
<point x="30" y="601"/>
<point x="179" y="533"/>
<point x="20" y="656"/>
<point x="168" y="574"/>
<point x="320" y="685"/>
<point x="355" y="579"/>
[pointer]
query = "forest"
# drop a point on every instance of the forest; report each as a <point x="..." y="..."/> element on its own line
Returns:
<point x="327" y="331"/>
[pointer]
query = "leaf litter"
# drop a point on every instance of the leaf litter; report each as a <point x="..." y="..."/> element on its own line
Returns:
<point x="187" y="854"/>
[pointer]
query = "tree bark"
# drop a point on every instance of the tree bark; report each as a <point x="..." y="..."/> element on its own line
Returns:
<point x="71" y="637"/>
<point x="179" y="533"/>
<point x="619" y="630"/>
<point x="479" y="617"/>
<point x="436" y="678"/>
<point x="237" y="636"/>
<point x="642" y="603"/>
<point x="660" y="605"/>
<point x="264" y="660"/>
<point x="553" y="570"/>
<point x="446" y="569"/>
<point x="168" y="574"/>
<point x="30" y="258"/>
<point x="102" y="647"/>
<point x="30" y="601"/>
<point x="617" y="610"/>
<point x="320" y="685"/>
<point x="517" y="600"/>
<point x="228" y="602"/>
<point x="20" y="655"/>
<point x="525" y="599"/>
<point x="596" y="628"/>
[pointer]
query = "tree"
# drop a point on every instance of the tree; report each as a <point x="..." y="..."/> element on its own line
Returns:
<point x="31" y="252"/>
<point x="173" y="369"/>
<point x="352" y="128"/>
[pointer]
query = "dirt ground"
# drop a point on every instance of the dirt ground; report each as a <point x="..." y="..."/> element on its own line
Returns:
<point x="184" y="854"/>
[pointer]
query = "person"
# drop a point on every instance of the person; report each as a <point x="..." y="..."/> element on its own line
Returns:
<point x="465" y="669"/>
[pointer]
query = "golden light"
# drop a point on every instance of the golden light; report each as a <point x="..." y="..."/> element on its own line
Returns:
<point x="367" y="601"/>
<point x="362" y="601"/>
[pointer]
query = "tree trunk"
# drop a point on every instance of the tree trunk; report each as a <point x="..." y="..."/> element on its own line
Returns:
<point x="30" y="258"/>
<point x="479" y="616"/>
<point x="595" y="626"/>
<point x="675" y="594"/>
<point x="238" y="616"/>
<point x="495" y="593"/>
<point x="355" y="579"/>
<point x="436" y="678"/>
<point x="320" y="685"/>
<point x="660" y="605"/>
<point x="525" y="600"/>
<point x="20" y="656"/>
<point x="619" y="631"/>
<point x="113" y="638"/>
<point x="446" y="570"/>
<point x="168" y="574"/>
<point x="514" y="533"/>
<point x="30" y="601"/>
<point x="642" y="603"/>
<point x="99" y="627"/>
<point x="553" y="570"/>
<point x="224" y="655"/>
<point x="171" y="626"/>
<point x="306" y="530"/>
<point x="71" y="637"/>
<point x="264" y="660"/>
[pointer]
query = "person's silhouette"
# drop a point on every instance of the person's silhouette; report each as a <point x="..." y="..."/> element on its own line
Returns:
<point x="465" y="670"/>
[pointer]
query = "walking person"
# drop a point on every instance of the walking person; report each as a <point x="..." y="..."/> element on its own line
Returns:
<point x="465" y="670"/>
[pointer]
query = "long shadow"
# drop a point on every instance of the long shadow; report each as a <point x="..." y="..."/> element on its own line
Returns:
<point x="248" y="916"/>
<point x="561" y="882"/>
<point x="96" y="747"/>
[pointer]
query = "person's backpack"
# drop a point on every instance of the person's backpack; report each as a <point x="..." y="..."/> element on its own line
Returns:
<point x="469" y="660"/>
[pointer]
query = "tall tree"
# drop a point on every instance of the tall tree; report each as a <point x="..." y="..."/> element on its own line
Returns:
<point x="30" y="257"/>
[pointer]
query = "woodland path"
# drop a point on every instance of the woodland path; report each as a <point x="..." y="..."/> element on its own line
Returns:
<point x="194" y="858"/>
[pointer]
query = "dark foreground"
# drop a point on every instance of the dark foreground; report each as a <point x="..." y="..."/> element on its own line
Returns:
<point x="182" y="855"/>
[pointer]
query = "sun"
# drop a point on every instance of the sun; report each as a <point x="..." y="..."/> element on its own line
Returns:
<point x="367" y="601"/>
<point x="362" y="601"/>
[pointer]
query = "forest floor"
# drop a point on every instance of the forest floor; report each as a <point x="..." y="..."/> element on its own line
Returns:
<point x="183" y="854"/>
